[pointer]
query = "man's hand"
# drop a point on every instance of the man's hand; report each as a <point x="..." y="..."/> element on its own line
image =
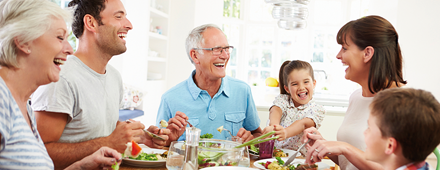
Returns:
<point x="156" y="143"/>
<point x="244" y="135"/>
<point x="104" y="158"/>
<point x="125" y="132"/>
<point x="176" y="125"/>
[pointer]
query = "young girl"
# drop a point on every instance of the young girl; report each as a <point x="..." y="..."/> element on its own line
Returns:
<point x="293" y="110"/>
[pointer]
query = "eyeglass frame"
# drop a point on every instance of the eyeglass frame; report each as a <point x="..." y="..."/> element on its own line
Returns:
<point x="212" y="49"/>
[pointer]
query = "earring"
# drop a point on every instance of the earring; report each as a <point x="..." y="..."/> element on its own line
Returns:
<point x="29" y="51"/>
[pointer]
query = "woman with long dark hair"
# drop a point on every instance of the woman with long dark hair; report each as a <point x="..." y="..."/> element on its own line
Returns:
<point x="370" y="49"/>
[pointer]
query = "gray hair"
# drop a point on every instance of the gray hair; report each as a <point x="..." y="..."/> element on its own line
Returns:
<point x="195" y="38"/>
<point x="25" y="20"/>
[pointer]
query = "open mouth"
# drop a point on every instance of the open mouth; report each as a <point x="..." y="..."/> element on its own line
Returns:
<point x="122" y="35"/>
<point x="303" y="95"/>
<point x="58" y="61"/>
<point x="219" y="64"/>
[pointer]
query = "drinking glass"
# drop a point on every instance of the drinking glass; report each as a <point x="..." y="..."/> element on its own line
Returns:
<point x="176" y="155"/>
<point x="235" y="139"/>
<point x="245" y="160"/>
<point x="266" y="149"/>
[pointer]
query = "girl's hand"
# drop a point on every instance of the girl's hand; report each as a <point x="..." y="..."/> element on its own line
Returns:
<point x="268" y="129"/>
<point x="281" y="132"/>
<point x="322" y="148"/>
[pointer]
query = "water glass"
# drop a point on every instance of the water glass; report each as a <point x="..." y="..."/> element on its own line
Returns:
<point x="235" y="139"/>
<point x="245" y="160"/>
<point x="266" y="149"/>
<point x="176" y="155"/>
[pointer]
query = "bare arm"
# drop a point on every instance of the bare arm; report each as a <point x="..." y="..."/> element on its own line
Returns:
<point x="353" y="154"/>
<point x="64" y="154"/>
<point x="358" y="159"/>
<point x="275" y="114"/>
<point x="104" y="158"/>
<point x="296" y="127"/>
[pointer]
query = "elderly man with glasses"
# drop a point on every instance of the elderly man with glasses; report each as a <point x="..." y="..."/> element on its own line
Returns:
<point x="209" y="99"/>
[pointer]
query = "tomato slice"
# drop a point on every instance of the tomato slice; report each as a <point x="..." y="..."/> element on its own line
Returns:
<point x="135" y="148"/>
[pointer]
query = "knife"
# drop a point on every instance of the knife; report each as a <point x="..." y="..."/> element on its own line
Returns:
<point x="294" y="155"/>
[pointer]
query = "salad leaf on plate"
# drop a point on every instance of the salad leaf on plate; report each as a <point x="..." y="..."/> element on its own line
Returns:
<point x="206" y="136"/>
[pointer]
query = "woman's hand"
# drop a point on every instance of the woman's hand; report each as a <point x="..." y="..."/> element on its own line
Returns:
<point x="104" y="158"/>
<point x="322" y="148"/>
<point x="313" y="134"/>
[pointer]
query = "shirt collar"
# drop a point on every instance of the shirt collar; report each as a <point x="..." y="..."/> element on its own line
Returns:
<point x="195" y="91"/>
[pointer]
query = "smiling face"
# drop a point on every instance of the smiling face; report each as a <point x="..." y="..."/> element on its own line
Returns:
<point x="300" y="86"/>
<point x="212" y="67"/>
<point x="376" y="143"/>
<point x="351" y="56"/>
<point x="114" y="29"/>
<point x="50" y="50"/>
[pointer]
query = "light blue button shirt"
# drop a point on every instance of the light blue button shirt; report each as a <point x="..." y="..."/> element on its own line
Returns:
<point x="232" y="107"/>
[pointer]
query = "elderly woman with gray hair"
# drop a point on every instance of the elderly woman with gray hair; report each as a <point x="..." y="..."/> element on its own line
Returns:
<point x="33" y="45"/>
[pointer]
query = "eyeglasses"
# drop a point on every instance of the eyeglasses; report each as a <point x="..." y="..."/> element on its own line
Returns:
<point x="217" y="50"/>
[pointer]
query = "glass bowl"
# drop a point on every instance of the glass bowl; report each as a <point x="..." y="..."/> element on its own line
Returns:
<point x="214" y="152"/>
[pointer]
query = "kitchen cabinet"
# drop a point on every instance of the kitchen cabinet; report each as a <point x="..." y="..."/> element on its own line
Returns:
<point x="157" y="58"/>
<point x="144" y="64"/>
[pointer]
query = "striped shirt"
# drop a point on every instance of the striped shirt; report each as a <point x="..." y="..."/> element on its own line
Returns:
<point x="21" y="147"/>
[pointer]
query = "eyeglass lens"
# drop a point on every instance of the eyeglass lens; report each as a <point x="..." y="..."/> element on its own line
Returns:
<point x="219" y="50"/>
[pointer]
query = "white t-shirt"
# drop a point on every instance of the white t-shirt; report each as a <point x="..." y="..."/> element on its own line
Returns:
<point x="354" y="124"/>
<point x="91" y="100"/>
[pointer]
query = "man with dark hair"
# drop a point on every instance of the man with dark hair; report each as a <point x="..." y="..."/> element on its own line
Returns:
<point x="79" y="114"/>
<point x="403" y="128"/>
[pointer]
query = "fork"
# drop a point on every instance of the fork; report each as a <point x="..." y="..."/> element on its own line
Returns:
<point x="229" y="132"/>
<point x="294" y="155"/>
<point x="149" y="133"/>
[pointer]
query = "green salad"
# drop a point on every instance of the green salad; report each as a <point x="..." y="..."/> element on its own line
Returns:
<point x="149" y="157"/>
<point x="206" y="136"/>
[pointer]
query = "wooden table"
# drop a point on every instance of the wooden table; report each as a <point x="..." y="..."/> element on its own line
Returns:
<point x="128" y="167"/>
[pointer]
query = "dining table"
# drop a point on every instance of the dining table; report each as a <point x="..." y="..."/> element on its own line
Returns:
<point x="124" y="166"/>
<point x="128" y="167"/>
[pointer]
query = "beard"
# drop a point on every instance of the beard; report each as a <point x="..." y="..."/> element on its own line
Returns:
<point x="109" y="42"/>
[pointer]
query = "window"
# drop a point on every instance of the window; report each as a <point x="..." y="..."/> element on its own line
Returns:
<point x="261" y="47"/>
<point x="72" y="39"/>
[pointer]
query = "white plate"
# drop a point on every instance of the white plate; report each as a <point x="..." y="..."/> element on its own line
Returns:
<point x="290" y="152"/>
<point x="228" y="168"/>
<point x="321" y="165"/>
<point x="140" y="163"/>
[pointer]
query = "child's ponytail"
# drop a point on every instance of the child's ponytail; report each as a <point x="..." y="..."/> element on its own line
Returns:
<point x="281" y="77"/>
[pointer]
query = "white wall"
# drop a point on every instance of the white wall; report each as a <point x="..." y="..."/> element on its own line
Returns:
<point x="132" y="64"/>
<point x="419" y="36"/>
<point x="418" y="26"/>
<point x="184" y="16"/>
